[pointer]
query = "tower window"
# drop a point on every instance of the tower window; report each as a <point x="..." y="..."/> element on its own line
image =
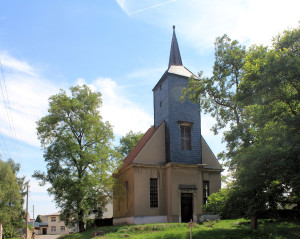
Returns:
<point x="160" y="104"/>
<point x="205" y="191"/>
<point x="186" y="139"/>
<point x="153" y="193"/>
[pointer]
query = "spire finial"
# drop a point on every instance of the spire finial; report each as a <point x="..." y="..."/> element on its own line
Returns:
<point x="175" y="58"/>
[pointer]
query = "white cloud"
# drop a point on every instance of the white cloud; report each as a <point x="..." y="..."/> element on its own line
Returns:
<point x="131" y="7"/>
<point x="14" y="64"/>
<point x="28" y="95"/>
<point x="123" y="114"/>
<point x="199" y="22"/>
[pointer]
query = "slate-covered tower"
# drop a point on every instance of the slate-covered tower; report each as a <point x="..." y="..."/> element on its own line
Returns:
<point x="182" y="119"/>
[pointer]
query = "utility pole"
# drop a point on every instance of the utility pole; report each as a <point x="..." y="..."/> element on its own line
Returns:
<point x="27" y="214"/>
<point x="33" y="215"/>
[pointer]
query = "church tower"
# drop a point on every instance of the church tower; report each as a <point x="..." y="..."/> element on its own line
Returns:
<point x="171" y="171"/>
<point x="182" y="119"/>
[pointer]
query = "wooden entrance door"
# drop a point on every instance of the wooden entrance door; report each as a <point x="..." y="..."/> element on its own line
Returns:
<point x="186" y="207"/>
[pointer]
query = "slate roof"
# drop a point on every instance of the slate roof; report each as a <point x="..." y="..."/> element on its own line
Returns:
<point x="175" y="58"/>
<point x="175" y="63"/>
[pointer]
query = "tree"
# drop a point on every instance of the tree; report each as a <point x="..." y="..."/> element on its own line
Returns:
<point x="218" y="94"/>
<point x="256" y="95"/>
<point x="38" y="219"/>
<point x="11" y="198"/>
<point x="77" y="150"/>
<point x="271" y="94"/>
<point x="128" y="142"/>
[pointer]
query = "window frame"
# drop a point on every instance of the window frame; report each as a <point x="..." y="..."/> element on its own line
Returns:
<point x="186" y="135"/>
<point x="153" y="192"/>
<point x="205" y="191"/>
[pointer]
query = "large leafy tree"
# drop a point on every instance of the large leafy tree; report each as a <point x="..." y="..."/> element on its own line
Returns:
<point x="11" y="198"/>
<point x="270" y="87"/>
<point x="77" y="150"/>
<point x="127" y="142"/>
<point x="257" y="99"/>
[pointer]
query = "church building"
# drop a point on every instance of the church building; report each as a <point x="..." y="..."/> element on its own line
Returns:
<point x="171" y="171"/>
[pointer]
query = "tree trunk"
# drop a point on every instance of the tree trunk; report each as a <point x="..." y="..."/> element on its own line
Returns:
<point x="81" y="226"/>
<point x="80" y="221"/>
<point x="253" y="222"/>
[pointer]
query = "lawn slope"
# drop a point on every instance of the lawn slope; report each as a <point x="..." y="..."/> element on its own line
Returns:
<point x="234" y="229"/>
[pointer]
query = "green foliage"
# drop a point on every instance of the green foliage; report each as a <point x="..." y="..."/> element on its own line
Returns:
<point x="215" y="229"/>
<point x="255" y="94"/>
<point x="77" y="150"/>
<point x="11" y="198"/>
<point x="216" y="202"/>
<point x="128" y="142"/>
<point x="38" y="219"/>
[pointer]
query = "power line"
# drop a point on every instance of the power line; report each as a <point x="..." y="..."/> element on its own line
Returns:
<point x="9" y="117"/>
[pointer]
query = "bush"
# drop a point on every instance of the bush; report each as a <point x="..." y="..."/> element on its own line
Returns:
<point x="90" y="224"/>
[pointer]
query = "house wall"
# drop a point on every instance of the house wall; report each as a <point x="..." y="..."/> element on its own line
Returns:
<point x="142" y="193"/>
<point x="123" y="206"/>
<point x="208" y="157"/>
<point x="214" y="178"/>
<point x="57" y="224"/>
<point x="182" y="175"/>
<point x="154" y="150"/>
<point x="173" y="179"/>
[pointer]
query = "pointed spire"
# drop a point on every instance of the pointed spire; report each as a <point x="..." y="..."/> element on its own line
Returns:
<point x="175" y="58"/>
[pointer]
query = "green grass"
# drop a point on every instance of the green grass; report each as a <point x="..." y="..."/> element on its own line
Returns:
<point x="234" y="229"/>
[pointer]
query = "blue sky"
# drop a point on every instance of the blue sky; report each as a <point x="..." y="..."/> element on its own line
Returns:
<point x="120" y="48"/>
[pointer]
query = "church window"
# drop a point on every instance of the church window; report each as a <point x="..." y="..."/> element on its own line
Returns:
<point x="205" y="191"/>
<point x="160" y="87"/>
<point x="186" y="129"/>
<point x="153" y="193"/>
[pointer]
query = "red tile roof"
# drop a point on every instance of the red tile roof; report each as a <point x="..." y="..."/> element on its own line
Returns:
<point x="138" y="147"/>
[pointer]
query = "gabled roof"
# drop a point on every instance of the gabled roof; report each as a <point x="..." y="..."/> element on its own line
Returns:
<point x="138" y="147"/>
<point x="175" y="58"/>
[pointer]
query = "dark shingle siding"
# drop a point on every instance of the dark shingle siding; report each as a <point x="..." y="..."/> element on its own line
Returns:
<point x="172" y="111"/>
